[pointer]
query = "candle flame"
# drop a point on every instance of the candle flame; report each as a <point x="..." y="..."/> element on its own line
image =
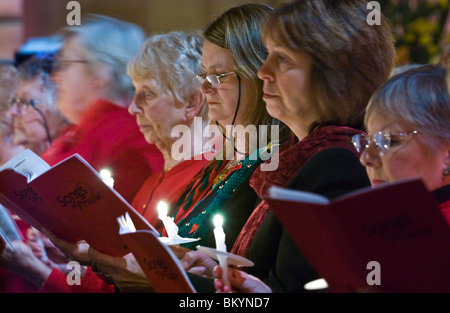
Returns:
<point x="218" y="221"/>
<point x="105" y="174"/>
<point x="162" y="208"/>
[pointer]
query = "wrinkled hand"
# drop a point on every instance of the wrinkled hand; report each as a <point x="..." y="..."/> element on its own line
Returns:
<point x="74" y="251"/>
<point x="24" y="263"/>
<point x="240" y="282"/>
<point x="125" y="271"/>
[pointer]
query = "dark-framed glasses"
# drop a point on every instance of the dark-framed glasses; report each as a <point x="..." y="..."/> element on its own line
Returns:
<point x="59" y="64"/>
<point x="23" y="104"/>
<point x="213" y="80"/>
<point x="383" y="140"/>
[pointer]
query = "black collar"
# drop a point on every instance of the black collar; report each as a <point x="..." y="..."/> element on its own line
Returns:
<point x="442" y="194"/>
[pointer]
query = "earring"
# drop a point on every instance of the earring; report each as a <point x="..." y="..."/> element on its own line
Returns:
<point x="188" y="114"/>
<point x="446" y="172"/>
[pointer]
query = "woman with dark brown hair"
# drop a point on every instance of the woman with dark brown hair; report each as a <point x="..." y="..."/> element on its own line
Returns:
<point x="324" y="63"/>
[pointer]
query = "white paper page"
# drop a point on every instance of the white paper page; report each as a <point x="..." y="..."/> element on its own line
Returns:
<point x="8" y="226"/>
<point x="296" y="195"/>
<point x="27" y="163"/>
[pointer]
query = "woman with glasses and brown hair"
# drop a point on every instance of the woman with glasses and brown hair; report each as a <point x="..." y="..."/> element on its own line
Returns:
<point x="232" y="54"/>
<point x="324" y="63"/>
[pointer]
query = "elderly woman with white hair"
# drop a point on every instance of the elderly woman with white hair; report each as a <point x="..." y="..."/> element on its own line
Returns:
<point x="93" y="92"/>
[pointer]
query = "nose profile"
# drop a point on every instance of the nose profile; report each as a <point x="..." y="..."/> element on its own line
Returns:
<point x="14" y="110"/>
<point x="133" y="108"/>
<point x="370" y="157"/>
<point x="264" y="72"/>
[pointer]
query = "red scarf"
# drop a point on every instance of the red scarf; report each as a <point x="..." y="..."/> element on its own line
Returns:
<point x="293" y="155"/>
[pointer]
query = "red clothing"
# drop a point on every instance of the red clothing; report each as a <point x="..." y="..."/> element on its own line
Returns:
<point x="108" y="137"/>
<point x="165" y="187"/>
<point x="445" y="209"/>
<point x="57" y="283"/>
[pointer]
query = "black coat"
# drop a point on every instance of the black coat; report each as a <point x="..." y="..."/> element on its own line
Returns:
<point x="278" y="262"/>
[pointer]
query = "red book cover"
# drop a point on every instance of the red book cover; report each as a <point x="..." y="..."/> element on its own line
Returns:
<point x="398" y="225"/>
<point x="160" y="265"/>
<point x="70" y="199"/>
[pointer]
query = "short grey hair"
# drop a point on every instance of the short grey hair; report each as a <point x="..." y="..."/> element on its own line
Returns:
<point x="420" y="97"/>
<point x="112" y="42"/>
<point x="173" y="59"/>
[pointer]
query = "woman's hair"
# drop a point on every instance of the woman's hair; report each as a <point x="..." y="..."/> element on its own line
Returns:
<point x="173" y="59"/>
<point x="237" y="30"/>
<point x="34" y="68"/>
<point x="419" y="97"/>
<point x="9" y="79"/>
<point x="111" y="42"/>
<point x="350" y="58"/>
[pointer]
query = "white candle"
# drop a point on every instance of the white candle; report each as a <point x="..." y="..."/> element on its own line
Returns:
<point x="107" y="178"/>
<point x="219" y="234"/>
<point x="169" y="224"/>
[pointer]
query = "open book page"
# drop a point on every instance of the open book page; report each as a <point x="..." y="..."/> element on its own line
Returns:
<point x="73" y="202"/>
<point x="27" y="163"/>
<point x="161" y="266"/>
<point x="399" y="226"/>
<point x="8" y="226"/>
<point x="9" y="231"/>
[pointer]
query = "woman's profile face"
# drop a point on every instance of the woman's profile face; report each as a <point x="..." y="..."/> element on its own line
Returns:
<point x="29" y="129"/>
<point x="408" y="156"/>
<point x="76" y="85"/>
<point x="222" y="101"/>
<point x="286" y="76"/>
<point x="156" y="111"/>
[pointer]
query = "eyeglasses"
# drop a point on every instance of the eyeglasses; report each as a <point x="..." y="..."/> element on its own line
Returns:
<point x="213" y="80"/>
<point x="59" y="65"/>
<point x="383" y="140"/>
<point x="23" y="104"/>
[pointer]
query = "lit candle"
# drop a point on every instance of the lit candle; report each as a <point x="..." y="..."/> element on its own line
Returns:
<point x="107" y="178"/>
<point x="219" y="234"/>
<point x="169" y="224"/>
